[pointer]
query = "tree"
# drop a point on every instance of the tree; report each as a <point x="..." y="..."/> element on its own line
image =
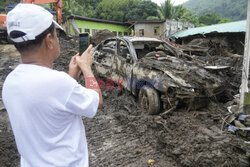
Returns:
<point x="232" y="9"/>
<point x="188" y="16"/>
<point x="80" y="7"/>
<point x="209" y="19"/>
<point x="145" y="9"/>
<point x="3" y="4"/>
<point x="168" y="11"/>
<point x="110" y="10"/>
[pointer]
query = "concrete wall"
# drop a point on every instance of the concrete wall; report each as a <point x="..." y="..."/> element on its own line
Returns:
<point x="173" y="26"/>
<point x="149" y="29"/>
<point x="166" y="29"/>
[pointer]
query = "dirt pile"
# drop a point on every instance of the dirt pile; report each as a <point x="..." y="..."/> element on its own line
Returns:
<point x="100" y="36"/>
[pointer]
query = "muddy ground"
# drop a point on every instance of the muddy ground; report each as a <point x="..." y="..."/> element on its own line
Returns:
<point x="122" y="135"/>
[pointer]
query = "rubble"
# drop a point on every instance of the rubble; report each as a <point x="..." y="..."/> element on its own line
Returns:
<point x="213" y="53"/>
<point x="100" y="36"/>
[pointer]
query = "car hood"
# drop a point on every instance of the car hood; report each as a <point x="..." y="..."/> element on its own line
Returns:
<point x="184" y="73"/>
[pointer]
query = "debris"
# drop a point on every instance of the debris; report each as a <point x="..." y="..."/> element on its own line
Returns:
<point x="232" y="129"/>
<point x="168" y="111"/>
<point x="151" y="161"/>
<point x="100" y="36"/>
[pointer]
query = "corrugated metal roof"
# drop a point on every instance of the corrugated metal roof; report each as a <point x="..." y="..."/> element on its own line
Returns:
<point x="238" y="26"/>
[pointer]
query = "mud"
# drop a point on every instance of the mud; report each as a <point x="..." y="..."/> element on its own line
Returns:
<point x="9" y="59"/>
<point x="100" y="36"/>
<point x="123" y="135"/>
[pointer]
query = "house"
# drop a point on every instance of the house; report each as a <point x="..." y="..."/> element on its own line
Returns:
<point x="77" y="24"/>
<point x="160" y="29"/>
<point x="233" y="33"/>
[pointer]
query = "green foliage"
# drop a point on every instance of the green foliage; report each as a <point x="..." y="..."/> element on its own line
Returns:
<point x="209" y="19"/>
<point x="224" y="21"/>
<point x="232" y="9"/>
<point x="80" y="7"/>
<point x="212" y="18"/>
<point x="4" y="3"/>
<point x="110" y="10"/>
<point x="124" y="10"/>
<point x="152" y="18"/>
<point x="143" y="10"/>
<point x="188" y="16"/>
<point x="168" y="10"/>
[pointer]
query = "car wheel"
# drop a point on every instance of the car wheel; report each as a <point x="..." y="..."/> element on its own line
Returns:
<point x="149" y="100"/>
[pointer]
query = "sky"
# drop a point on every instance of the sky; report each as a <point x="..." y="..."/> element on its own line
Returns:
<point x="176" y="2"/>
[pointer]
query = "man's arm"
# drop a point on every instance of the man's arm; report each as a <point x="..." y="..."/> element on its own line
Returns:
<point x="85" y="62"/>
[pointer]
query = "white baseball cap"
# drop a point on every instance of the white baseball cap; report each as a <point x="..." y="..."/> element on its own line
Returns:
<point x="30" y="19"/>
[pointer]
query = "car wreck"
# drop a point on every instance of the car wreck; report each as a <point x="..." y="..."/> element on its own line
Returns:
<point x="156" y="73"/>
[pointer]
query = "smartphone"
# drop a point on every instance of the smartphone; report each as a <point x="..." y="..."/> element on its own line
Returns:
<point x="83" y="42"/>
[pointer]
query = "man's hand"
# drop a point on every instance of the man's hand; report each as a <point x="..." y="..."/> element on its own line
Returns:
<point x="85" y="60"/>
<point x="74" y="69"/>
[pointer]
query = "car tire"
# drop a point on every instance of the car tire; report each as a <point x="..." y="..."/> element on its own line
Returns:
<point x="149" y="100"/>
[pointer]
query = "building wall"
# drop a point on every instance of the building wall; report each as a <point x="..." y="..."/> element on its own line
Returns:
<point x="165" y="29"/>
<point x="153" y="30"/>
<point x="92" y="27"/>
<point x="173" y="26"/>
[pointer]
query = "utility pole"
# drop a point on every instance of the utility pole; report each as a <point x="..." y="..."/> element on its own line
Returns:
<point x="244" y="95"/>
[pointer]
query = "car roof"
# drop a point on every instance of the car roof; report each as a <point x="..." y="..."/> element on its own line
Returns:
<point x="141" y="39"/>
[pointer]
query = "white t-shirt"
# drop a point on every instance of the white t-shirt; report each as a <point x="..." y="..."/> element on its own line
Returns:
<point x="45" y="108"/>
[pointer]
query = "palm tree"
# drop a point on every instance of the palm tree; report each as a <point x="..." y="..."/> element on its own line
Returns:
<point x="168" y="11"/>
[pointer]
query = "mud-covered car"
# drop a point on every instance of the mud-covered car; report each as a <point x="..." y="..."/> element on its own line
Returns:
<point x="153" y="72"/>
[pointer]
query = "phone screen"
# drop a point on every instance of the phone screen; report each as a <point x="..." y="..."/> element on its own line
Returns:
<point x="83" y="42"/>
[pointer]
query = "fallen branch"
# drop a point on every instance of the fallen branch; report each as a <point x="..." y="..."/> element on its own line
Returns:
<point x="168" y="111"/>
<point x="224" y="121"/>
<point x="126" y="107"/>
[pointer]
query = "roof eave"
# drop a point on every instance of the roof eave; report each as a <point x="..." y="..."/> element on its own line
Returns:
<point x="96" y="20"/>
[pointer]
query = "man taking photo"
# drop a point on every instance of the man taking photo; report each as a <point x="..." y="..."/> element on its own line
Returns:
<point x="44" y="105"/>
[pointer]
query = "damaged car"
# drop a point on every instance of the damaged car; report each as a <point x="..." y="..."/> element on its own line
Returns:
<point x="155" y="73"/>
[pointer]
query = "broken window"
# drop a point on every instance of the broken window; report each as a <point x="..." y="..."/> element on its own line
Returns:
<point x="109" y="46"/>
<point x="157" y="31"/>
<point x="122" y="49"/>
<point x="120" y="33"/>
<point x="143" y="48"/>
<point x="87" y="30"/>
<point x="114" y="32"/>
<point x="141" y="32"/>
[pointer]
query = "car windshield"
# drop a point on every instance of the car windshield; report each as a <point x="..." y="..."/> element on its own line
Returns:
<point x="144" y="47"/>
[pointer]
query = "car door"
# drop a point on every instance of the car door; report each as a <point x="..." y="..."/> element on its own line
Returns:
<point x="104" y="57"/>
<point x="123" y="64"/>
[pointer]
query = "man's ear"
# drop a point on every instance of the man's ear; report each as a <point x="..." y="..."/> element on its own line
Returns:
<point x="49" y="41"/>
